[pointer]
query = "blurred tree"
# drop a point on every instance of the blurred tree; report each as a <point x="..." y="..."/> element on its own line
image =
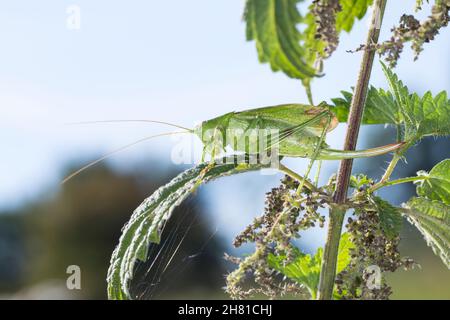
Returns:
<point x="12" y="251"/>
<point x="81" y="225"/>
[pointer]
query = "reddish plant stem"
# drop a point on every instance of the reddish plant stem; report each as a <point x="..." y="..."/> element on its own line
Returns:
<point x="358" y="101"/>
<point x="337" y="212"/>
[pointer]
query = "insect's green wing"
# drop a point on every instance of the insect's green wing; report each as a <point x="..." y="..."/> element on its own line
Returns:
<point x="300" y="136"/>
<point x="286" y="116"/>
<point x="298" y="127"/>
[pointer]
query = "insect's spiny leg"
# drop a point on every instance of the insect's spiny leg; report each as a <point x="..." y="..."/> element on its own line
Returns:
<point x="316" y="178"/>
<point x="203" y="153"/>
<point x="213" y="152"/>
<point x="314" y="156"/>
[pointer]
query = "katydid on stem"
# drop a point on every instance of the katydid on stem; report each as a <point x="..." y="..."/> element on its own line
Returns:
<point x="296" y="130"/>
<point x="299" y="128"/>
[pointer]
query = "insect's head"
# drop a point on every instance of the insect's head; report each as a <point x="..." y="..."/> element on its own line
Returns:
<point x="209" y="128"/>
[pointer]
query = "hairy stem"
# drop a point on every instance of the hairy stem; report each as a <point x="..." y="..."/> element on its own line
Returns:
<point x="359" y="100"/>
<point x="389" y="170"/>
<point x="328" y="270"/>
<point x="398" y="181"/>
<point x="330" y="254"/>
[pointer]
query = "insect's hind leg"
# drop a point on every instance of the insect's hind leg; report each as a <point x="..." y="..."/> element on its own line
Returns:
<point x="317" y="176"/>
<point x="315" y="155"/>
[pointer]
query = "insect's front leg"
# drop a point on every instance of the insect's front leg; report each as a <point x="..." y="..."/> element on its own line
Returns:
<point x="213" y="146"/>
<point x="252" y="139"/>
<point x="204" y="151"/>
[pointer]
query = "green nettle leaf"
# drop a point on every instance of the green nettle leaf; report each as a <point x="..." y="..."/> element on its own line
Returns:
<point x="432" y="219"/>
<point x="344" y="257"/>
<point x="390" y="218"/>
<point x="273" y="25"/>
<point x="415" y="116"/>
<point x="359" y="181"/>
<point x="420" y="116"/>
<point x="305" y="268"/>
<point x="436" y="183"/>
<point x="381" y="107"/>
<point x="352" y="10"/>
<point x="427" y="115"/>
<point x="145" y="225"/>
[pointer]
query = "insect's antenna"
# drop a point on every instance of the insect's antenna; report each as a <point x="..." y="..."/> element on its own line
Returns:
<point x="109" y="154"/>
<point x="132" y="120"/>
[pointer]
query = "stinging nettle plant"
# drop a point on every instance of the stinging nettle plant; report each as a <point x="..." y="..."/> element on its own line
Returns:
<point x="298" y="44"/>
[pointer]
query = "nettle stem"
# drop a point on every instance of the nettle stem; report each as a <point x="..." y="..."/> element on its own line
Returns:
<point x="389" y="170"/>
<point x="337" y="213"/>
<point x="330" y="254"/>
<point x="398" y="181"/>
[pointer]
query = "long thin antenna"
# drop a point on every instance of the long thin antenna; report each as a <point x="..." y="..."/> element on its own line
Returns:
<point x="109" y="154"/>
<point x="132" y="120"/>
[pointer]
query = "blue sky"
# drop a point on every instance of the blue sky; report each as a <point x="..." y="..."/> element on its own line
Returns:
<point x="179" y="61"/>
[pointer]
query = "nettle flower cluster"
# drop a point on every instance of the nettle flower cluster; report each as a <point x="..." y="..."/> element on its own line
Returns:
<point x="278" y="268"/>
<point x="286" y="213"/>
